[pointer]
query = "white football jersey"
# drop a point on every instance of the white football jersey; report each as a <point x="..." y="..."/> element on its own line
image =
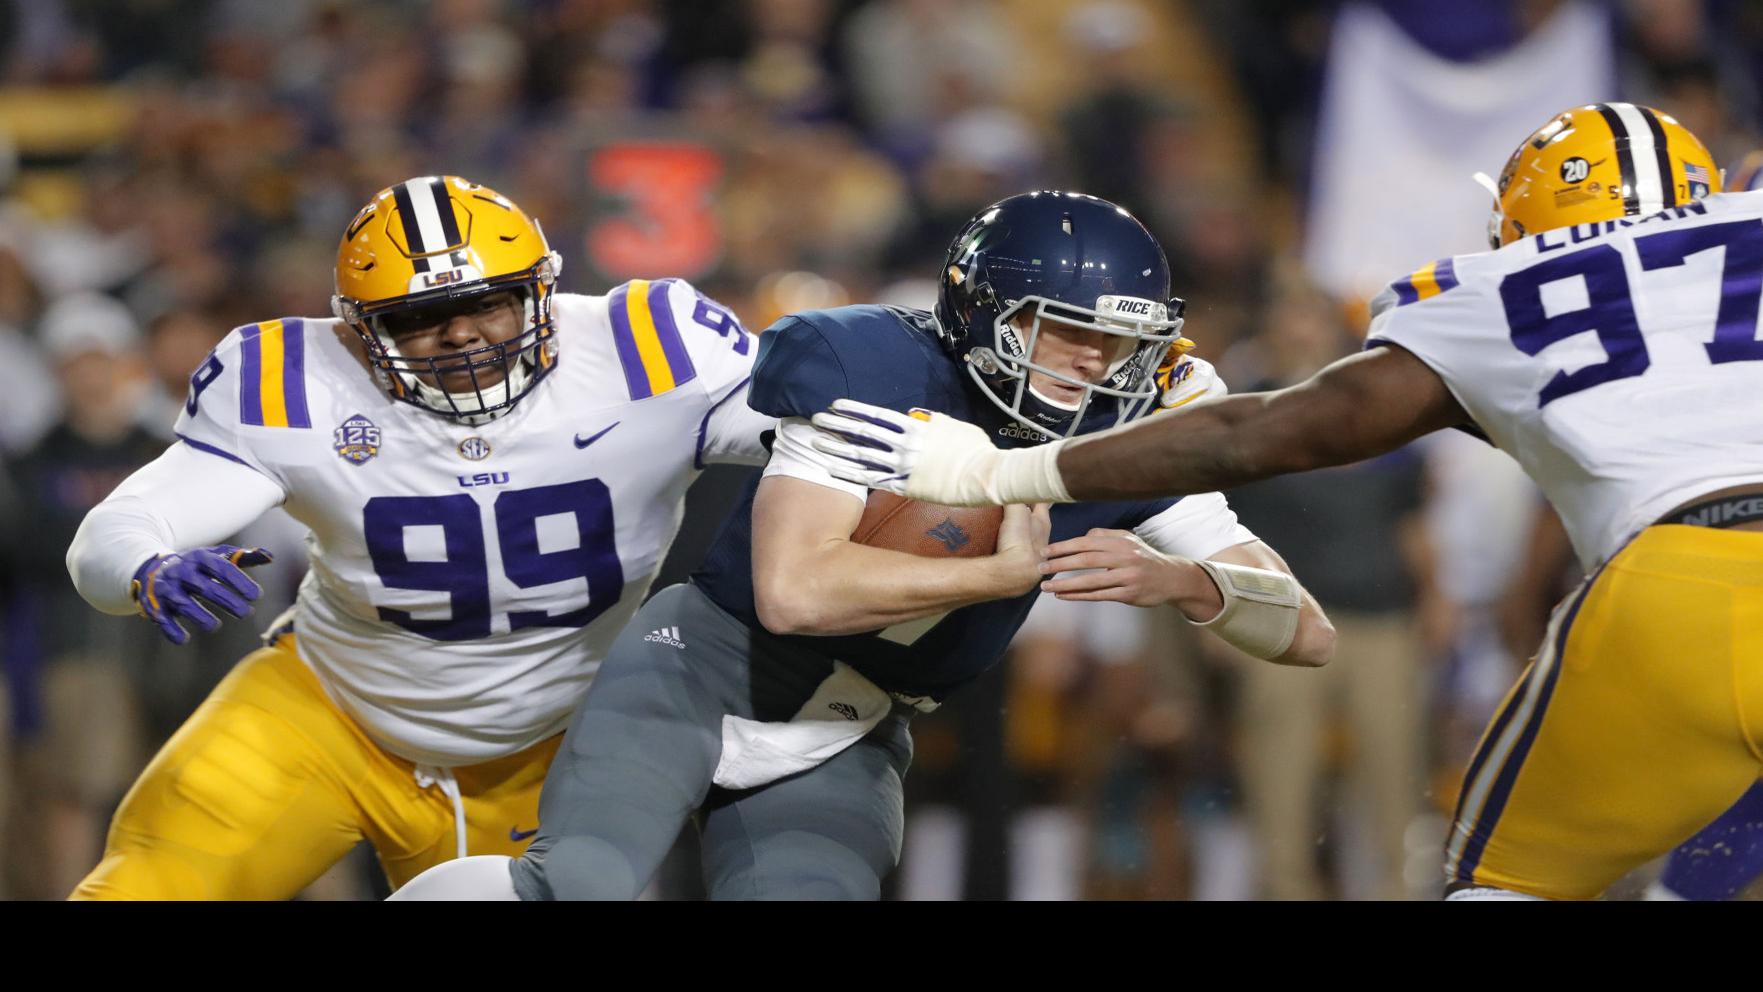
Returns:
<point x="466" y="581"/>
<point x="1620" y="363"/>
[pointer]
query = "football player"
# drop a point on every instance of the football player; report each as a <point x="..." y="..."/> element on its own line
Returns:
<point x="1726" y="856"/>
<point x="1610" y="343"/>
<point x="491" y="470"/>
<point x="771" y="694"/>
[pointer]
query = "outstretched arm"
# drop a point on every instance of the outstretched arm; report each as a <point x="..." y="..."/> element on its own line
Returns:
<point x="152" y="544"/>
<point x="1358" y="407"/>
<point x="1364" y="405"/>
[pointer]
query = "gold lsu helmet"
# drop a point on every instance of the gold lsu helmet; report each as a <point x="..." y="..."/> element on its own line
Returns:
<point x="437" y="239"/>
<point x="1595" y="163"/>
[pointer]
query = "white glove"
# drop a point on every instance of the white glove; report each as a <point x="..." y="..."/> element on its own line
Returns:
<point x="934" y="457"/>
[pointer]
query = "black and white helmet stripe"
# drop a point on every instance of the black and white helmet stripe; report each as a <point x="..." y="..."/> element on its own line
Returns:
<point x="429" y="224"/>
<point x="1642" y="157"/>
<point x="413" y="238"/>
<point x="450" y="237"/>
<point x="1662" y="155"/>
<point x="427" y="216"/>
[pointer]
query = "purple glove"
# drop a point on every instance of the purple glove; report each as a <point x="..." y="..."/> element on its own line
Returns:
<point x="166" y="588"/>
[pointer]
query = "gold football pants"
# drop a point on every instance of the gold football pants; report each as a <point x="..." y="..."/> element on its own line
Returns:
<point x="1639" y="721"/>
<point x="269" y="784"/>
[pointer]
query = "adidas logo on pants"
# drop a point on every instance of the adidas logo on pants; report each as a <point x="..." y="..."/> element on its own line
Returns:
<point x="666" y="635"/>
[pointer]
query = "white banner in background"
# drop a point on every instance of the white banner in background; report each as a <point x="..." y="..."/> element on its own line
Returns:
<point x="1401" y="131"/>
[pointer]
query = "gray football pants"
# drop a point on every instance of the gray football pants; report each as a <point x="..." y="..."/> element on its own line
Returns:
<point x="642" y="749"/>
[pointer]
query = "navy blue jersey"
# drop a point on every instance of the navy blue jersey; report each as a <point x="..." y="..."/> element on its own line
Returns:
<point x="890" y="357"/>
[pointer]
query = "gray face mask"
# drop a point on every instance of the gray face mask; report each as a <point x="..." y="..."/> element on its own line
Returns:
<point x="1002" y="370"/>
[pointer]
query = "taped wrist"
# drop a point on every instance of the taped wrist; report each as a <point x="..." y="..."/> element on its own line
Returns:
<point x="1029" y="475"/>
<point x="1260" y="615"/>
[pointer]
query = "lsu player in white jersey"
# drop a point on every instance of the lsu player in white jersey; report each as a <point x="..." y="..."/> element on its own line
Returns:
<point x="1609" y="343"/>
<point x="492" y="471"/>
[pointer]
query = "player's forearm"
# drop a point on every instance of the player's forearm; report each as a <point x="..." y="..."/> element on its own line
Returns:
<point x="1191" y="591"/>
<point x="112" y="542"/>
<point x="1313" y="636"/>
<point x="1364" y="405"/>
<point x="1313" y="644"/>
<point x="181" y="500"/>
<point x="847" y="588"/>
<point x="1216" y="445"/>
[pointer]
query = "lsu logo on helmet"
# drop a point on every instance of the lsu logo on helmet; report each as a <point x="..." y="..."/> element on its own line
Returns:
<point x="1595" y="163"/>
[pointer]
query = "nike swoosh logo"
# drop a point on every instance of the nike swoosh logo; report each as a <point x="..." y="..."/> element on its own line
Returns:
<point x="517" y="834"/>
<point x="582" y="442"/>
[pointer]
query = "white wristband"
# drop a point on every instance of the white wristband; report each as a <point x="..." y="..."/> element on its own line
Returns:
<point x="1261" y="606"/>
<point x="1029" y="475"/>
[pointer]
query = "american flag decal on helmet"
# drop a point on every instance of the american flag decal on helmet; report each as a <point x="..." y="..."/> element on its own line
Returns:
<point x="1698" y="180"/>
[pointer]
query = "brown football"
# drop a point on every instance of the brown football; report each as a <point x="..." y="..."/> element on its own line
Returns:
<point x="929" y="530"/>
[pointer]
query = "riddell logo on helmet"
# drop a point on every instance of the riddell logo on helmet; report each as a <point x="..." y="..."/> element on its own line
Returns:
<point x="1022" y="433"/>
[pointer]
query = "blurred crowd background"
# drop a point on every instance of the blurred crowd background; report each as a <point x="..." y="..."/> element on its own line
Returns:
<point x="170" y="169"/>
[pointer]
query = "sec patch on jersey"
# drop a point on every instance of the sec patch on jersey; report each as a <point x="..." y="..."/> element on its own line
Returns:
<point x="928" y="530"/>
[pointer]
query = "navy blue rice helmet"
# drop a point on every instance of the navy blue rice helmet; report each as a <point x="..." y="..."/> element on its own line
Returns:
<point x="1061" y="258"/>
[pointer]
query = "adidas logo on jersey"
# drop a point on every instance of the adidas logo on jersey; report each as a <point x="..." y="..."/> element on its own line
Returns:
<point x="1022" y="433"/>
<point x="666" y="635"/>
<point x="845" y="710"/>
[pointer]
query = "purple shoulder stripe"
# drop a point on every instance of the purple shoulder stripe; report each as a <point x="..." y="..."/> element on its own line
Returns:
<point x="1445" y="273"/>
<point x="251" y="376"/>
<point x="679" y="362"/>
<point x="294" y="371"/>
<point x="1405" y="291"/>
<point x="635" y="379"/>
